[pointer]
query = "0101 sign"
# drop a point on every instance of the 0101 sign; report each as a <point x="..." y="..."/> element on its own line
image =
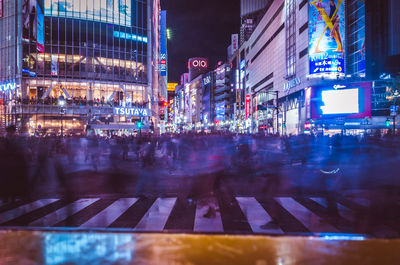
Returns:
<point x="199" y="63"/>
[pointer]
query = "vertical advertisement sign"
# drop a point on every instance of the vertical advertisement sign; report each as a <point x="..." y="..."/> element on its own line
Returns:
<point x="235" y="42"/>
<point x="29" y="23"/>
<point x="248" y="106"/>
<point x="40" y="28"/>
<point x="308" y="103"/>
<point x="163" y="44"/>
<point x="326" y="36"/>
<point x="220" y="112"/>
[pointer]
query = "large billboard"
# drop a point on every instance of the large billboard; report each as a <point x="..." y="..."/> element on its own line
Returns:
<point x="29" y="20"/>
<point x="326" y="36"/>
<point x="351" y="101"/>
<point x="163" y="44"/>
<point x="40" y="28"/>
<point x="117" y="12"/>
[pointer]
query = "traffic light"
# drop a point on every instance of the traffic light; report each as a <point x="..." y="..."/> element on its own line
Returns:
<point x="387" y="123"/>
<point x="163" y="104"/>
<point x="139" y="125"/>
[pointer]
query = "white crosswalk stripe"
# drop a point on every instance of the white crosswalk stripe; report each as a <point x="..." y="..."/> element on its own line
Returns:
<point x="208" y="216"/>
<point x="310" y="220"/>
<point x="256" y="215"/>
<point x="342" y="210"/>
<point x="63" y="213"/>
<point x="106" y="217"/>
<point x="24" y="209"/>
<point x="157" y="216"/>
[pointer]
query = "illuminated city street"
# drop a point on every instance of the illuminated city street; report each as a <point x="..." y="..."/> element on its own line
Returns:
<point x="199" y="132"/>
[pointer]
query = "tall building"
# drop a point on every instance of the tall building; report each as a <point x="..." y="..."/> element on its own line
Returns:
<point x="78" y="65"/>
<point x="251" y="11"/>
<point x="223" y="94"/>
<point x="320" y="66"/>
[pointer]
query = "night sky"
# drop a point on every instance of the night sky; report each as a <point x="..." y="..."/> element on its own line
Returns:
<point x="199" y="29"/>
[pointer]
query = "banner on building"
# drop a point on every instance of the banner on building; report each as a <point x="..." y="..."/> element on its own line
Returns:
<point x="163" y="44"/>
<point x="220" y="111"/>
<point x="326" y="36"/>
<point x="235" y="42"/>
<point x="54" y="65"/>
<point x="40" y="29"/>
<point x="248" y="106"/>
<point x="29" y="23"/>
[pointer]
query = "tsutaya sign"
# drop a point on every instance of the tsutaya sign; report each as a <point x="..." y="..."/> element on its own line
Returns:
<point x="139" y="112"/>
<point x="7" y="86"/>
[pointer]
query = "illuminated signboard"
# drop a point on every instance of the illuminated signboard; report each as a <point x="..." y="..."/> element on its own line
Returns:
<point x="171" y="86"/>
<point x="326" y="36"/>
<point x="350" y="102"/>
<point x="139" y="112"/>
<point x="248" y="106"/>
<point x="308" y="102"/>
<point x="344" y="101"/>
<point x="118" y="12"/>
<point x="163" y="43"/>
<point x="198" y="63"/>
<point x="1" y="8"/>
<point x="235" y="42"/>
<point x="128" y="36"/>
<point x="184" y="78"/>
<point x="207" y="80"/>
<point x="220" y="111"/>
<point x="7" y="86"/>
<point x="40" y="29"/>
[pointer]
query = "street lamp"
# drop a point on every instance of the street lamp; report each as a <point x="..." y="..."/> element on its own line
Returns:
<point x="61" y="104"/>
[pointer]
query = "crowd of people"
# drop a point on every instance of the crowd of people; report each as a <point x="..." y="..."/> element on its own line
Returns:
<point x="324" y="165"/>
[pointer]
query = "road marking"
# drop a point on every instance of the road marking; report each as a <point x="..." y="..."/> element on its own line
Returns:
<point x="256" y="215"/>
<point x="24" y="209"/>
<point x="343" y="211"/>
<point x="157" y="216"/>
<point x="362" y="201"/>
<point x="106" y="217"/>
<point x="63" y="213"/>
<point x="310" y="220"/>
<point x="320" y="201"/>
<point x="211" y="223"/>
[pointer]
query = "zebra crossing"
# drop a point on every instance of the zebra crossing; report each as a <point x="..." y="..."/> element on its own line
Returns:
<point x="277" y="215"/>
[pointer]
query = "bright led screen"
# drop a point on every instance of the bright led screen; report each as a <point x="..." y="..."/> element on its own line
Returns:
<point x="117" y="12"/>
<point x="340" y="101"/>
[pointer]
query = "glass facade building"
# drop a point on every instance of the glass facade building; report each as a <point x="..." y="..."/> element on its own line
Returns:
<point x="356" y="38"/>
<point x="92" y="53"/>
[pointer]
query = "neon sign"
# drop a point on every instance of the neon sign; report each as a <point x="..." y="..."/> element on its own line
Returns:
<point x="207" y="80"/>
<point x="128" y="36"/>
<point x="248" y="106"/>
<point x="139" y="112"/>
<point x="199" y="63"/>
<point x="7" y="86"/>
